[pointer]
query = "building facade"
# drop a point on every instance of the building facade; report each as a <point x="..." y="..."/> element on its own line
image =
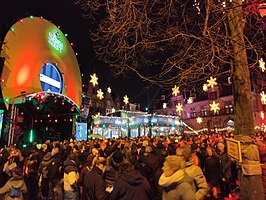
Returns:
<point x="196" y="110"/>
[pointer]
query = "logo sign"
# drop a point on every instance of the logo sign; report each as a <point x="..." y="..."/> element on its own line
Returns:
<point x="54" y="40"/>
<point x="233" y="149"/>
<point x="51" y="79"/>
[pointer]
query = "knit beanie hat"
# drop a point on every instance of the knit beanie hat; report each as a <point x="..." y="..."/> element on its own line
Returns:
<point x="175" y="162"/>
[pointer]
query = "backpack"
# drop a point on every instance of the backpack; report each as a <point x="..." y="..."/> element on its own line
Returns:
<point x="14" y="192"/>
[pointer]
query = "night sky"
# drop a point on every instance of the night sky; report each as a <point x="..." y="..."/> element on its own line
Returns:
<point x="67" y="15"/>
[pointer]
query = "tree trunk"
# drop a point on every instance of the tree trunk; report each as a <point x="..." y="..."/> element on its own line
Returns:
<point x="250" y="183"/>
<point x="244" y="122"/>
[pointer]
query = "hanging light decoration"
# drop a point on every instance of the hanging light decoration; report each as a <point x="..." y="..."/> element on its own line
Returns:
<point x="175" y="91"/>
<point x="199" y="120"/>
<point x="215" y="107"/>
<point x="109" y="90"/>
<point x="179" y="108"/>
<point x="212" y="82"/>
<point x="94" y="79"/>
<point x="126" y="99"/>
<point x="262" y="65"/>
<point x="100" y="94"/>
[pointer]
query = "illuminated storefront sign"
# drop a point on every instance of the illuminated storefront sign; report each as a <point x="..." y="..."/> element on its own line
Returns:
<point x="54" y="40"/>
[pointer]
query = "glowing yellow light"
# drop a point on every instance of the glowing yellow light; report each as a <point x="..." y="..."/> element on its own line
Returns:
<point x="126" y="99"/>
<point x="94" y="79"/>
<point x="113" y="110"/>
<point x="263" y="97"/>
<point x="212" y="82"/>
<point x="109" y="90"/>
<point x="262" y="65"/>
<point x="262" y="114"/>
<point x="190" y="100"/>
<point x="199" y="120"/>
<point x="179" y="108"/>
<point x="100" y="94"/>
<point x="205" y="87"/>
<point x="215" y="107"/>
<point x="164" y="105"/>
<point x="175" y="90"/>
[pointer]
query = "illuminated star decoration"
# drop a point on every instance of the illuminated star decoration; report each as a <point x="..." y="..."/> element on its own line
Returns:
<point x="109" y="90"/>
<point x="262" y="114"/>
<point x="205" y="87"/>
<point x="199" y="120"/>
<point x="263" y="97"/>
<point x="126" y="99"/>
<point x="94" y="79"/>
<point x="175" y="90"/>
<point x="179" y="108"/>
<point x="113" y="110"/>
<point x="100" y="94"/>
<point x="212" y="82"/>
<point x="262" y="65"/>
<point x="190" y="100"/>
<point x="214" y="107"/>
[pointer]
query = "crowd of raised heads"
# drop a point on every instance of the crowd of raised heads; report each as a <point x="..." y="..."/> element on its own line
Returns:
<point x="184" y="167"/>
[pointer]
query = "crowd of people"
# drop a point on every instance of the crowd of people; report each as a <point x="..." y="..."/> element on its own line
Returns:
<point x="152" y="168"/>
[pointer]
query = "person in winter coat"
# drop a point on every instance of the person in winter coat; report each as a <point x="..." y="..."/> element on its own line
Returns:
<point x="177" y="185"/>
<point x="44" y="179"/>
<point x="152" y="170"/>
<point x="194" y="171"/>
<point x="112" y="168"/>
<point x="14" y="187"/>
<point x="3" y="159"/>
<point x="71" y="188"/>
<point x="93" y="186"/>
<point x="130" y="185"/>
<point x="55" y="175"/>
<point x="213" y="172"/>
<point x="226" y="162"/>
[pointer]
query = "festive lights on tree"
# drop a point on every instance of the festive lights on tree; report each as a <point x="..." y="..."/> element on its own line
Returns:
<point x="100" y="94"/>
<point x="179" y="108"/>
<point x="262" y="65"/>
<point x="199" y="120"/>
<point x="175" y="91"/>
<point x="126" y="99"/>
<point x="263" y="97"/>
<point x="94" y="79"/>
<point x="215" y="107"/>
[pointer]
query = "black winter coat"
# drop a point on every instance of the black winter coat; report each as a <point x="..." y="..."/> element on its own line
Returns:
<point x="93" y="186"/>
<point x="131" y="185"/>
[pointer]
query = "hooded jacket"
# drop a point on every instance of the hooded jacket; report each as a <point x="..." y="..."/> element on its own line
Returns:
<point x="15" y="183"/>
<point x="177" y="187"/>
<point x="200" y="183"/>
<point x="131" y="185"/>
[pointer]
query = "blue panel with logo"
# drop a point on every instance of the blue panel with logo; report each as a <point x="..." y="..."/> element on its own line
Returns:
<point x="51" y="79"/>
